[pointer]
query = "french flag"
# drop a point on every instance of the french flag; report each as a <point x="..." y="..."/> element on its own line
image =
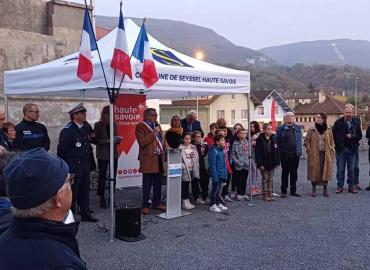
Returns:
<point x="145" y="63"/>
<point x="121" y="58"/>
<point x="88" y="44"/>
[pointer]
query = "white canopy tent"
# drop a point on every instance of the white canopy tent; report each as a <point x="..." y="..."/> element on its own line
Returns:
<point x="179" y="76"/>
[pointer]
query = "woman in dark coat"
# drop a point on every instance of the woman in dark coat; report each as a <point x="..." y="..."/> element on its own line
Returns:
<point x="173" y="136"/>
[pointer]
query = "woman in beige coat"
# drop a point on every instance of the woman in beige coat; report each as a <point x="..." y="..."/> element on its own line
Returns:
<point x="319" y="144"/>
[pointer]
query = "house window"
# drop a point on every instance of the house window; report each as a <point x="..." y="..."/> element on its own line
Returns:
<point x="309" y="119"/>
<point x="261" y="110"/>
<point x="233" y="117"/>
<point x="232" y="96"/>
<point x="220" y="114"/>
<point x="305" y="119"/>
<point x="277" y="109"/>
<point x="244" y="114"/>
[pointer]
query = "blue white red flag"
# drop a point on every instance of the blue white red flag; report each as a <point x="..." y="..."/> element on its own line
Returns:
<point x="88" y="44"/>
<point x="121" y="58"/>
<point x="145" y="63"/>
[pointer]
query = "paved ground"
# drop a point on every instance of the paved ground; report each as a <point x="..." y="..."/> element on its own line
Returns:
<point x="292" y="233"/>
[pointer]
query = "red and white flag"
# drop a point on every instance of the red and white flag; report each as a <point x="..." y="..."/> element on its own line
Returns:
<point x="88" y="44"/>
<point x="145" y="63"/>
<point x="121" y="58"/>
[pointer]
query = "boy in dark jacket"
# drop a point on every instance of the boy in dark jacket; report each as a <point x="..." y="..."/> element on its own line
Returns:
<point x="202" y="149"/>
<point x="218" y="171"/>
<point x="267" y="159"/>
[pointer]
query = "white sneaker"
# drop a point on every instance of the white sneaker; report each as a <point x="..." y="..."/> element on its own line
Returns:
<point x="239" y="198"/>
<point x="190" y="205"/>
<point x="222" y="207"/>
<point x="200" y="201"/>
<point x="233" y="195"/>
<point x="275" y="195"/>
<point x="227" y="198"/>
<point x="185" y="205"/>
<point x="214" y="208"/>
<point x="246" y="198"/>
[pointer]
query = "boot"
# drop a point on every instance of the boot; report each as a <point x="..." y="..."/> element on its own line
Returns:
<point x="313" y="194"/>
<point x="269" y="191"/>
<point x="326" y="193"/>
<point x="103" y="202"/>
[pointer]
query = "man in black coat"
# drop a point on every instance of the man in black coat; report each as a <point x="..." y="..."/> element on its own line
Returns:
<point x="190" y="124"/>
<point x="39" y="188"/>
<point x="31" y="134"/>
<point x="74" y="147"/>
<point x="347" y="134"/>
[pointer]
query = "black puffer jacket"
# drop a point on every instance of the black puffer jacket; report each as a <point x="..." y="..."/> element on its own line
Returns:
<point x="267" y="159"/>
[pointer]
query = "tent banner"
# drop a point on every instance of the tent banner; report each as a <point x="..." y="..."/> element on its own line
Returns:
<point x="128" y="112"/>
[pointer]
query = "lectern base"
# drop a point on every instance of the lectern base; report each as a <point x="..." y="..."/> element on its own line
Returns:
<point x="174" y="215"/>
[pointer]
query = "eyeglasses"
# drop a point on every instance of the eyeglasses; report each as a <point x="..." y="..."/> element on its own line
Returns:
<point x="71" y="179"/>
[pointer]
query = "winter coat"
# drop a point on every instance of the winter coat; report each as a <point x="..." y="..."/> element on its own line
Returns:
<point x="298" y="136"/>
<point x="311" y="144"/>
<point x="191" y="127"/>
<point x="37" y="244"/>
<point x="102" y="141"/>
<point x="209" y="139"/>
<point x="268" y="160"/>
<point x="186" y="173"/>
<point x="149" y="160"/>
<point x="173" y="138"/>
<point x="5" y="215"/>
<point x="340" y="129"/>
<point x="239" y="155"/>
<point x="202" y="149"/>
<point x="217" y="164"/>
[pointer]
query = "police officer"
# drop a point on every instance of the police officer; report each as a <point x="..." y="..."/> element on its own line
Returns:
<point x="74" y="147"/>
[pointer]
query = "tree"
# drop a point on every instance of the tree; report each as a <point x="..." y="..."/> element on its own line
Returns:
<point x="364" y="99"/>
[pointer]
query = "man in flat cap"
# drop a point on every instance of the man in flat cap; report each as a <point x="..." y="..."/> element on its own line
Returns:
<point x="39" y="188"/>
<point x="74" y="147"/>
<point x="31" y="134"/>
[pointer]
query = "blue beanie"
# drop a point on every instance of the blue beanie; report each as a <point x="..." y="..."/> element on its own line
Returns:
<point x="33" y="177"/>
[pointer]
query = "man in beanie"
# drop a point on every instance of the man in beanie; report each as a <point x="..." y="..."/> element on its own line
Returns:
<point x="74" y="147"/>
<point x="39" y="188"/>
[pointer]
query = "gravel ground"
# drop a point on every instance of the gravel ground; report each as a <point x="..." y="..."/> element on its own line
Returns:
<point x="291" y="233"/>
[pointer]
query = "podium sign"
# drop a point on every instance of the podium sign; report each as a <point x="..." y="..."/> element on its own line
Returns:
<point x="173" y="202"/>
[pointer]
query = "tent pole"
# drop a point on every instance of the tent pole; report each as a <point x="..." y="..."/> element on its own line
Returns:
<point x="250" y="150"/>
<point x="111" y="167"/>
<point x="6" y="103"/>
<point x="197" y="107"/>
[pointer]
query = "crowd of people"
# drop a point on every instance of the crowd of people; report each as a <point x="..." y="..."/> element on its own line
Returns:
<point x="223" y="159"/>
<point x="38" y="190"/>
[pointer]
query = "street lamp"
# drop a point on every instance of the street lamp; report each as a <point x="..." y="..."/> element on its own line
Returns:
<point x="356" y="80"/>
<point x="199" y="54"/>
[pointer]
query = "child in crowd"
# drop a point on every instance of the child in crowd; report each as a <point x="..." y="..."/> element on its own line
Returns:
<point x="225" y="190"/>
<point x="211" y="134"/>
<point x="267" y="159"/>
<point x="239" y="157"/>
<point x="202" y="149"/>
<point x="255" y="132"/>
<point x="235" y="138"/>
<point x="190" y="169"/>
<point x="218" y="171"/>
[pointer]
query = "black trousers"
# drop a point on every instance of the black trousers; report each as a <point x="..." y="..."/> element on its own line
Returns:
<point x="81" y="187"/>
<point x="185" y="190"/>
<point x="195" y="188"/>
<point x="225" y="189"/>
<point x="240" y="180"/>
<point x="103" y="166"/>
<point x="204" y="184"/>
<point x="289" y="166"/>
<point x="152" y="180"/>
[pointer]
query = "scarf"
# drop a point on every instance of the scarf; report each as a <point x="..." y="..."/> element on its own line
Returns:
<point x="176" y="130"/>
<point x="321" y="128"/>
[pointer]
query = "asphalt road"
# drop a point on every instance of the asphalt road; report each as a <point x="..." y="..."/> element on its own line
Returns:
<point x="291" y="233"/>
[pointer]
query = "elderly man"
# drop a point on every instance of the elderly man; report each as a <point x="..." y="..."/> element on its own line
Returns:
<point x="289" y="137"/>
<point x="347" y="135"/>
<point x="190" y="124"/>
<point x="29" y="133"/>
<point x="39" y="188"/>
<point x="74" y="147"/>
<point x="151" y="155"/>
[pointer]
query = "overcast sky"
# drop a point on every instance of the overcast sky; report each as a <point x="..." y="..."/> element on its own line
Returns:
<point x="257" y="23"/>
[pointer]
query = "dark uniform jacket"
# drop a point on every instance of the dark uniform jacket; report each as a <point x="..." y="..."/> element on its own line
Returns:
<point x="37" y="244"/>
<point x="30" y="135"/>
<point x="74" y="144"/>
<point x="267" y="152"/>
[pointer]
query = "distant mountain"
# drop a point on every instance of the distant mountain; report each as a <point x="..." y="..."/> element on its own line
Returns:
<point x="188" y="38"/>
<point x="327" y="52"/>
